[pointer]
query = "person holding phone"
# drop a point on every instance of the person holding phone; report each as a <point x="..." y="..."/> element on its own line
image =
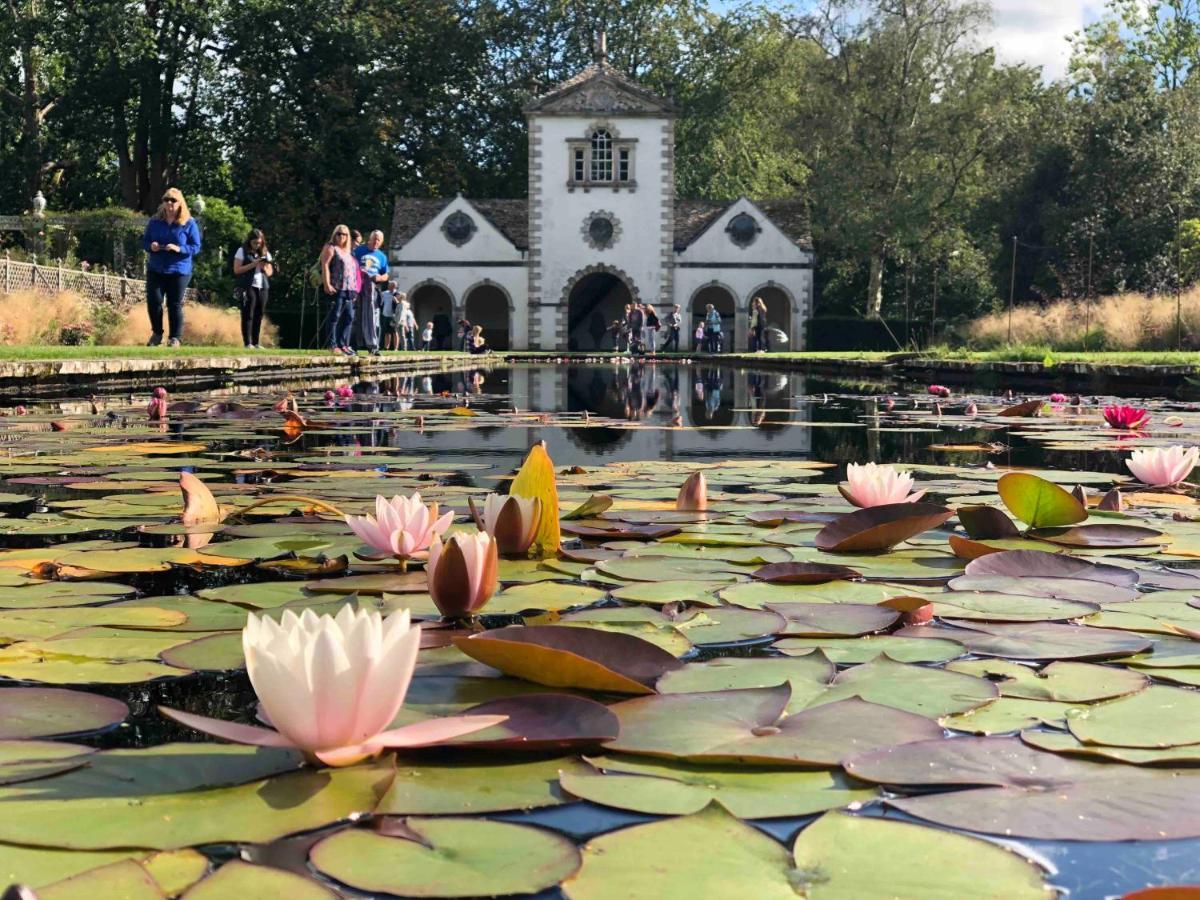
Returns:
<point x="252" y="271"/>
<point x="340" y="279"/>
<point x="171" y="241"/>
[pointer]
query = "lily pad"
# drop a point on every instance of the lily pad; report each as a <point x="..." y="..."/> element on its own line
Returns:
<point x="1067" y="682"/>
<point x="916" y="689"/>
<point x="571" y="657"/>
<point x="807" y="675"/>
<point x="861" y="650"/>
<point x="1157" y="717"/>
<point x="239" y="879"/>
<point x="1034" y="641"/>
<point x="1039" y="503"/>
<point x="448" y="858"/>
<point x="667" y="787"/>
<point x="845" y="857"/>
<point x="461" y="788"/>
<point x="31" y="712"/>
<point x="880" y="527"/>
<point x="751" y="726"/>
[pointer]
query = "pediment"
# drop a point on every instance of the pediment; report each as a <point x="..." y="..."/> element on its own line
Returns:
<point x="600" y="90"/>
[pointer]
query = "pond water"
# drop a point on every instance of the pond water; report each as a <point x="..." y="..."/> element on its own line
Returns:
<point x="101" y="591"/>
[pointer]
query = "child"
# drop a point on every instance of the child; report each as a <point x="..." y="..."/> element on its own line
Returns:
<point x="387" y="314"/>
<point x="427" y="337"/>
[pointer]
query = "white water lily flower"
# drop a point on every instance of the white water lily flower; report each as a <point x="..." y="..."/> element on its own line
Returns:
<point x="1163" y="467"/>
<point x="331" y="686"/>
<point x="875" y="485"/>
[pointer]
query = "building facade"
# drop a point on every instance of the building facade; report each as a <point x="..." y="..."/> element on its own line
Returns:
<point x="601" y="228"/>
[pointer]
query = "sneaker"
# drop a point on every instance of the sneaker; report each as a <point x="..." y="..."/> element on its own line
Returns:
<point x="258" y="347"/>
<point x="155" y="340"/>
<point x="349" y="352"/>
<point x="249" y="346"/>
<point x="375" y="353"/>
<point x="173" y="342"/>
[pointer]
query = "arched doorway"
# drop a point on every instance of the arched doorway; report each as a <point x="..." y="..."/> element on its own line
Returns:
<point x="487" y="305"/>
<point x="594" y="301"/>
<point x="431" y="302"/>
<point x="779" y="311"/>
<point x="722" y="300"/>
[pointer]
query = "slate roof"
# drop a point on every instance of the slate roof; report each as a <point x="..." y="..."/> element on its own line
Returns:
<point x="510" y="218"/>
<point x="693" y="218"/>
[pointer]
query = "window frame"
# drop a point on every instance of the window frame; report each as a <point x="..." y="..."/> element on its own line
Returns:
<point x="592" y="163"/>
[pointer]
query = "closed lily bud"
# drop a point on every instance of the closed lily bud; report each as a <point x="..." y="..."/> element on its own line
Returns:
<point x="463" y="573"/>
<point x="693" y="496"/>
<point x="511" y="521"/>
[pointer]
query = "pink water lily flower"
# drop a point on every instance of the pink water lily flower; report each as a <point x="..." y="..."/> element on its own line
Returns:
<point x="1163" y="467"/>
<point x="939" y="390"/>
<point x="1058" y="398"/>
<point x="1128" y="417"/>
<point x="401" y="527"/>
<point x="463" y="573"/>
<point x="331" y="686"/>
<point x="875" y="485"/>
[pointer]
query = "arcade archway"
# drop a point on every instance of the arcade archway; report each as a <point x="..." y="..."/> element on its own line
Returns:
<point x="723" y="301"/>
<point x="594" y="302"/>
<point x="431" y="302"/>
<point x="487" y="305"/>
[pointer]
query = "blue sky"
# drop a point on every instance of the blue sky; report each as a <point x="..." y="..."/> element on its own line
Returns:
<point x="1029" y="31"/>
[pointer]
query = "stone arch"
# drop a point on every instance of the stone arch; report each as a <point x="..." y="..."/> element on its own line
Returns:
<point x="724" y="299"/>
<point x="489" y="304"/>
<point x="781" y="308"/>
<point x="592" y="298"/>
<point x="433" y="301"/>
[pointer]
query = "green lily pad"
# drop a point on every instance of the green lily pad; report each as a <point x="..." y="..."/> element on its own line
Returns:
<point x="1061" y="742"/>
<point x="860" y="650"/>
<point x="756" y="595"/>
<point x="750" y="727"/>
<point x="47" y="712"/>
<point x="462" y="788"/>
<point x="1034" y="640"/>
<point x="916" y="689"/>
<point x="1039" y="503"/>
<point x="845" y="857"/>
<point x="993" y="607"/>
<point x="676" y="788"/>
<point x="256" y="813"/>
<point x="239" y="879"/>
<point x="1010" y="714"/>
<point x="214" y="653"/>
<point x="672" y="857"/>
<point x="1157" y="717"/>
<point x="448" y="858"/>
<point x="1067" y="682"/>
<point x="61" y="593"/>
<point x="125" y="879"/>
<point x="660" y="593"/>
<point x="807" y="675"/>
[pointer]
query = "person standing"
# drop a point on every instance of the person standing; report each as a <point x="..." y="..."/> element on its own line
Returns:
<point x="712" y="329"/>
<point x="252" y="271"/>
<point x="652" y="325"/>
<point x="464" y="335"/>
<point x="171" y="241"/>
<point x="760" y="342"/>
<point x="339" y="272"/>
<point x="373" y="265"/>
<point x="406" y="324"/>
<point x="674" y="323"/>
<point x="637" y="324"/>
<point x="478" y="343"/>
<point x="387" y="315"/>
<point x="427" y="337"/>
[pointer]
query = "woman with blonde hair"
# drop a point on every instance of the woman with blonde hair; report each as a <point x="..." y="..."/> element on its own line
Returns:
<point x="171" y="241"/>
<point x="340" y="276"/>
<point x="759" y="340"/>
<point x="477" y="343"/>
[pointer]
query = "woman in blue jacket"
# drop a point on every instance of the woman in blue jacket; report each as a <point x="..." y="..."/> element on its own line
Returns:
<point x="171" y="240"/>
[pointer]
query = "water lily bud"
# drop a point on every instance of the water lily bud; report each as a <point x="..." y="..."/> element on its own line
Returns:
<point x="693" y="496"/>
<point x="511" y="521"/>
<point x="463" y="573"/>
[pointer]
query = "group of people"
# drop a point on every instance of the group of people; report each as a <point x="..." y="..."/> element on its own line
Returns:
<point x="366" y="309"/>
<point x="637" y="331"/>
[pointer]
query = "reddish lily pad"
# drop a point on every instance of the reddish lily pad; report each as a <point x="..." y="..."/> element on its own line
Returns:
<point x="1035" y="640"/>
<point x="572" y="657"/>
<point x="1078" y="589"/>
<point x="1038" y="564"/>
<point x="984" y="523"/>
<point x="803" y="573"/>
<point x="834" y="619"/>
<point x="879" y="528"/>
<point x="751" y="726"/>
<point x="1100" y="536"/>
<point x="539" y="722"/>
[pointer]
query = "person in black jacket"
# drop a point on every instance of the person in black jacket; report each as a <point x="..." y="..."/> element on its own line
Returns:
<point x="637" y="322"/>
<point x="252" y="271"/>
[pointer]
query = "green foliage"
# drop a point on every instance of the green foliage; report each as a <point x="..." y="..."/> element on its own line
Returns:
<point x="224" y="227"/>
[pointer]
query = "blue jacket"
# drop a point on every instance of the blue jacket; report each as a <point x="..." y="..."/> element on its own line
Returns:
<point x="167" y="262"/>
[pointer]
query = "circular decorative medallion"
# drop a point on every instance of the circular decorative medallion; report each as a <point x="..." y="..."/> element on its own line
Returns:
<point x="743" y="229"/>
<point x="601" y="229"/>
<point x="458" y="228"/>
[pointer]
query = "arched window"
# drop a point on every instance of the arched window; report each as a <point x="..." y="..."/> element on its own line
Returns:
<point x="602" y="156"/>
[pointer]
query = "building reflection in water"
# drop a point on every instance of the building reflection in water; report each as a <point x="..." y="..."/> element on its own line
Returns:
<point x="645" y="411"/>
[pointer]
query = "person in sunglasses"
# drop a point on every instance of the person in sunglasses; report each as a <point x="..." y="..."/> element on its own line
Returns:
<point x="171" y="241"/>
<point x="341" y="281"/>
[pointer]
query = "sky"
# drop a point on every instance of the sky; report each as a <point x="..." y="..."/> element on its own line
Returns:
<point x="1036" y="31"/>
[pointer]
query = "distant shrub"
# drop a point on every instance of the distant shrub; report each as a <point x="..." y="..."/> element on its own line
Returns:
<point x="31" y="318"/>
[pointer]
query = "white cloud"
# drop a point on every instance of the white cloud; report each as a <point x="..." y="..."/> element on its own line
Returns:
<point x="1036" y="31"/>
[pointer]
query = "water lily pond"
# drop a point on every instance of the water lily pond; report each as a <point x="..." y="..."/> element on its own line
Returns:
<point x="781" y="679"/>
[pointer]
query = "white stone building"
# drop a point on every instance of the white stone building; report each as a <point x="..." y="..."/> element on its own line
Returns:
<point x="601" y="227"/>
